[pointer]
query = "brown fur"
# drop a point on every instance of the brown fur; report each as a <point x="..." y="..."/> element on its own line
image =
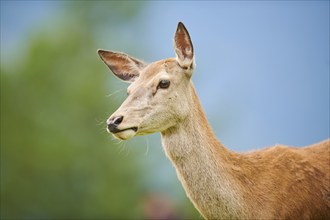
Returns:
<point x="274" y="183"/>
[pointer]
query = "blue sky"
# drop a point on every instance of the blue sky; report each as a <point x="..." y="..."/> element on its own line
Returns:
<point x="262" y="69"/>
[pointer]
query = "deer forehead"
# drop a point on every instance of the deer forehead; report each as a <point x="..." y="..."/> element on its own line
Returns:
<point x="153" y="69"/>
<point x="154" y="72"/>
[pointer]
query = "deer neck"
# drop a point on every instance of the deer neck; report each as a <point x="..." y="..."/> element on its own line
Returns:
<point x="203" y="164"/>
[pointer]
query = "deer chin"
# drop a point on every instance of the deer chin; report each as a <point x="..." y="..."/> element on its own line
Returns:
<point x="126" y="134"/>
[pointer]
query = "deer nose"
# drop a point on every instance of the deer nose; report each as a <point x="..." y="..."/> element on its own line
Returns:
<point x="113" y="123"/>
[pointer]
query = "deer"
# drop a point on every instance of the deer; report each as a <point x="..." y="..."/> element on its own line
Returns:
<point x="278" y="182"/>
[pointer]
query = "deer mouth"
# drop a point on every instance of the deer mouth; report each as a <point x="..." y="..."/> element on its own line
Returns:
<point x="116" y="130"/>
<point x="125" y="134"/>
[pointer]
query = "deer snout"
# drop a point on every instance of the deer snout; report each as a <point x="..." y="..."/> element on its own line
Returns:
<point x="113" y="123"/>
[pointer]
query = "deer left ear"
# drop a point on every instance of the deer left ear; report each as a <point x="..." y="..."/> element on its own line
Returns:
<point x="183" y="47"/>
<point x="123" y="66"/>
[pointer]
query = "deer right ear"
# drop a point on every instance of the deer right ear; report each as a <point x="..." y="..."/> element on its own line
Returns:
<point x="123" y="66"/>
<point x="183" y="47"/>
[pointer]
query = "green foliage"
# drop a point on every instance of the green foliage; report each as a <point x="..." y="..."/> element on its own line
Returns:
<point x="57" y="162"/>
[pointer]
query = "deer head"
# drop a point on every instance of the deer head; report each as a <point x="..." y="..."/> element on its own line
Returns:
<point x="159" y="92"/>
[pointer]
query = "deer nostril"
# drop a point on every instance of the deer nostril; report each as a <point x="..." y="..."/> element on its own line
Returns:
<point x="113" y="124"/>
<point x="118" y="120"/>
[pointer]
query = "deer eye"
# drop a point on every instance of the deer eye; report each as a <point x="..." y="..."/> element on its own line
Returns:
<point x="164" y="84"/>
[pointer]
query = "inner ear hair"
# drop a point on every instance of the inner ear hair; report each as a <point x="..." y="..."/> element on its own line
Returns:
<point x="183" y="47"/>
<point x="186" y="67"/>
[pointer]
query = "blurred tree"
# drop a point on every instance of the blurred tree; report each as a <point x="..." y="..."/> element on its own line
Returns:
<point x="56" y="160"/>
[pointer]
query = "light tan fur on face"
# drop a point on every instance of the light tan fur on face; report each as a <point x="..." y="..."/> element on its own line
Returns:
<point x="151" y="109"/>
<point x="277" y="182"/>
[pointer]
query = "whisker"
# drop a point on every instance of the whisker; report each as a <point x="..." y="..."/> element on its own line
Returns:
<point x="147" y="150"/>
<point x="99" y="122"/>
<point x="121" y="145"/>
<point x="115" y="92"/>
<point x="103" y="131"/>
<point x="127" y="149"/>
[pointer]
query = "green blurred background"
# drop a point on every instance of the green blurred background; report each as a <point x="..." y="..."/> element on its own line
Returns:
<point x="57" y="161"/>
<point x="262" y="76"/>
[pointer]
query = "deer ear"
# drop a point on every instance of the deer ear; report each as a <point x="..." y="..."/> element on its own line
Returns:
<point x="123" y="66"/>
<point x="183" y="47"/>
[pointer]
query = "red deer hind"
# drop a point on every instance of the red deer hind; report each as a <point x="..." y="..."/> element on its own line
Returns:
<point x="279" y="182"/>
